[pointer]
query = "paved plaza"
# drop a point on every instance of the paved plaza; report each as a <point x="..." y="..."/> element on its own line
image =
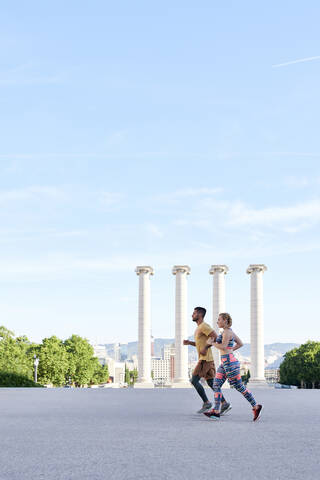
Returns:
<point x="155" y="434"/>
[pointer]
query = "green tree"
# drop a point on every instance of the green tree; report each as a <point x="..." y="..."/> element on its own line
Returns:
<point x="100" y="374"/>
<point x="288" y="368"/>
<point x="301" y="366"/>
<point x="127" y="377"/>
<point x="53" y="361"/>
<point x="16" y="354"/>
<point x="309" y="352"/>
<point x="11" y="379"/>
<point x="134" y="376"/>
<point x="245" y="378"/>
<point x="82" y="367"/>
<point x="317" y="368"/>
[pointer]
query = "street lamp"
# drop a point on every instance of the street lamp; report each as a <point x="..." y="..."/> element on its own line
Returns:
<point x="35" y="364"/>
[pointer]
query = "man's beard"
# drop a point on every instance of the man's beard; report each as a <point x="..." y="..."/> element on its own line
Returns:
<point x="194" y="319"/>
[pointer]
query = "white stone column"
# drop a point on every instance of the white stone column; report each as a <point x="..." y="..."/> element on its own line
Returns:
<point x="219" y="302"/>
<point x="257" y="378"/>
<point x="144" y="333"/>
<point x="181" y="378"/>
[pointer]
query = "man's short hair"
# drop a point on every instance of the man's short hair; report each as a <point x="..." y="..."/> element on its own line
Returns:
<point x="201" y="310"/>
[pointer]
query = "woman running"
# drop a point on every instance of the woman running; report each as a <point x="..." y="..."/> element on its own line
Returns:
<point x="227" y="343"/>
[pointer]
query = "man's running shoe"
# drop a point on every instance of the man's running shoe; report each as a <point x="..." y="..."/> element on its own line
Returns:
<point x="212" y="414"/>
<point x="225" y="407"/>
<point x="256" y="412"/>
<point x="205" y="407"/>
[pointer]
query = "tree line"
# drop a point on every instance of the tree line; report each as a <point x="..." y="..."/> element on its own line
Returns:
<point x="301" y="366"/>
<point x="69" y="362"/>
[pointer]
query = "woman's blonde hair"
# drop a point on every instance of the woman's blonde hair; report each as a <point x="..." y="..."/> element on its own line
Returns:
<point x="227" y="318"/>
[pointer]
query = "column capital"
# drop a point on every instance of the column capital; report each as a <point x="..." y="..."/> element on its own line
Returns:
<point x="181" y="268"/>
<point x="218" y="268"/>
<point x="259" y="267"/>
<point x="144" y="269"/>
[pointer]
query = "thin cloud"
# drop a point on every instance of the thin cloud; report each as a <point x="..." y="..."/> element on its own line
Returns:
<point x="299" y="60"/>
<point x="30" y="193"/>
<point x="13" y="234"/>
<point x="302" y="182"/>
<point x="91" y="155"/>
<point x="242" y="215"/>
<point x="64" y="266"/>
<point x="188" y="193"/>
<point x="111" y="199"/>
<point x="27" y="74"/>
<point x="154" y="230"/>
<point x="239" y="214"/>
<point x="116" y="138"/>
<point x="290" y="154"/>
<point x="212" y="215"/>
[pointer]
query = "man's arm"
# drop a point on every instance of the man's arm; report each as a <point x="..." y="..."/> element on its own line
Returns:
<point x="188" y="342"/>
<point x="213" y="335"/>
<point x="212" y="338"/>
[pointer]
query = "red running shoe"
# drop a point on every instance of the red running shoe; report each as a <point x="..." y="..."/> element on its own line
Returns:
<point x="256" y="412"/>
<point x="212" y="414"/>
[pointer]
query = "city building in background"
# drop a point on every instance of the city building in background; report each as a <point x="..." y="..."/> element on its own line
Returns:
<point x="169" y="355"/>
<point x="116" y="352"/>
<point x="163" y="367"/>
<point x="160" y="371"/>
<point x="272" y="375"/>
<point x="101" y="353"/>
<point x="163" y="363"/>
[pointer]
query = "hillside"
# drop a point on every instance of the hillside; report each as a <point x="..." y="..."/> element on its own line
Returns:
<point x="273" y="352"/>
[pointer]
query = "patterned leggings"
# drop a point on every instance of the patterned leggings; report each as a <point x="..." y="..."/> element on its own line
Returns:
<point x="229" y="369"/>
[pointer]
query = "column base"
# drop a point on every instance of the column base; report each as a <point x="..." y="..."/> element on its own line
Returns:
<point x="143" y="385"/>
<point x="257" y="383"/>
<point x="183" y="384"/>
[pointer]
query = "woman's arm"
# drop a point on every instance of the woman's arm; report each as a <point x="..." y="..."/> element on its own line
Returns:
<point x="239" y="343"/>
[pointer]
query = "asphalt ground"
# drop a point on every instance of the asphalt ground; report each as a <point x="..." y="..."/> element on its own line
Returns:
<point x="155" y="434"/>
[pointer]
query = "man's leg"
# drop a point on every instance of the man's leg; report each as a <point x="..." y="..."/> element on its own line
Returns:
<point x="195" y="380"/>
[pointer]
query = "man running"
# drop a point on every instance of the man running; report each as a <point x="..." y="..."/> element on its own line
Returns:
<point x="205" y="367"/>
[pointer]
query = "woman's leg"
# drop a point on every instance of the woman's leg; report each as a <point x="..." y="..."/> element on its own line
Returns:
<point x="232" y="368"/>
<point x="210" y="383"/>
<point x="219" y="380"/>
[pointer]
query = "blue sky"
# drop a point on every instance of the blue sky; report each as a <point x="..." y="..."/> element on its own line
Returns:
<point x="135" y="133"/>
